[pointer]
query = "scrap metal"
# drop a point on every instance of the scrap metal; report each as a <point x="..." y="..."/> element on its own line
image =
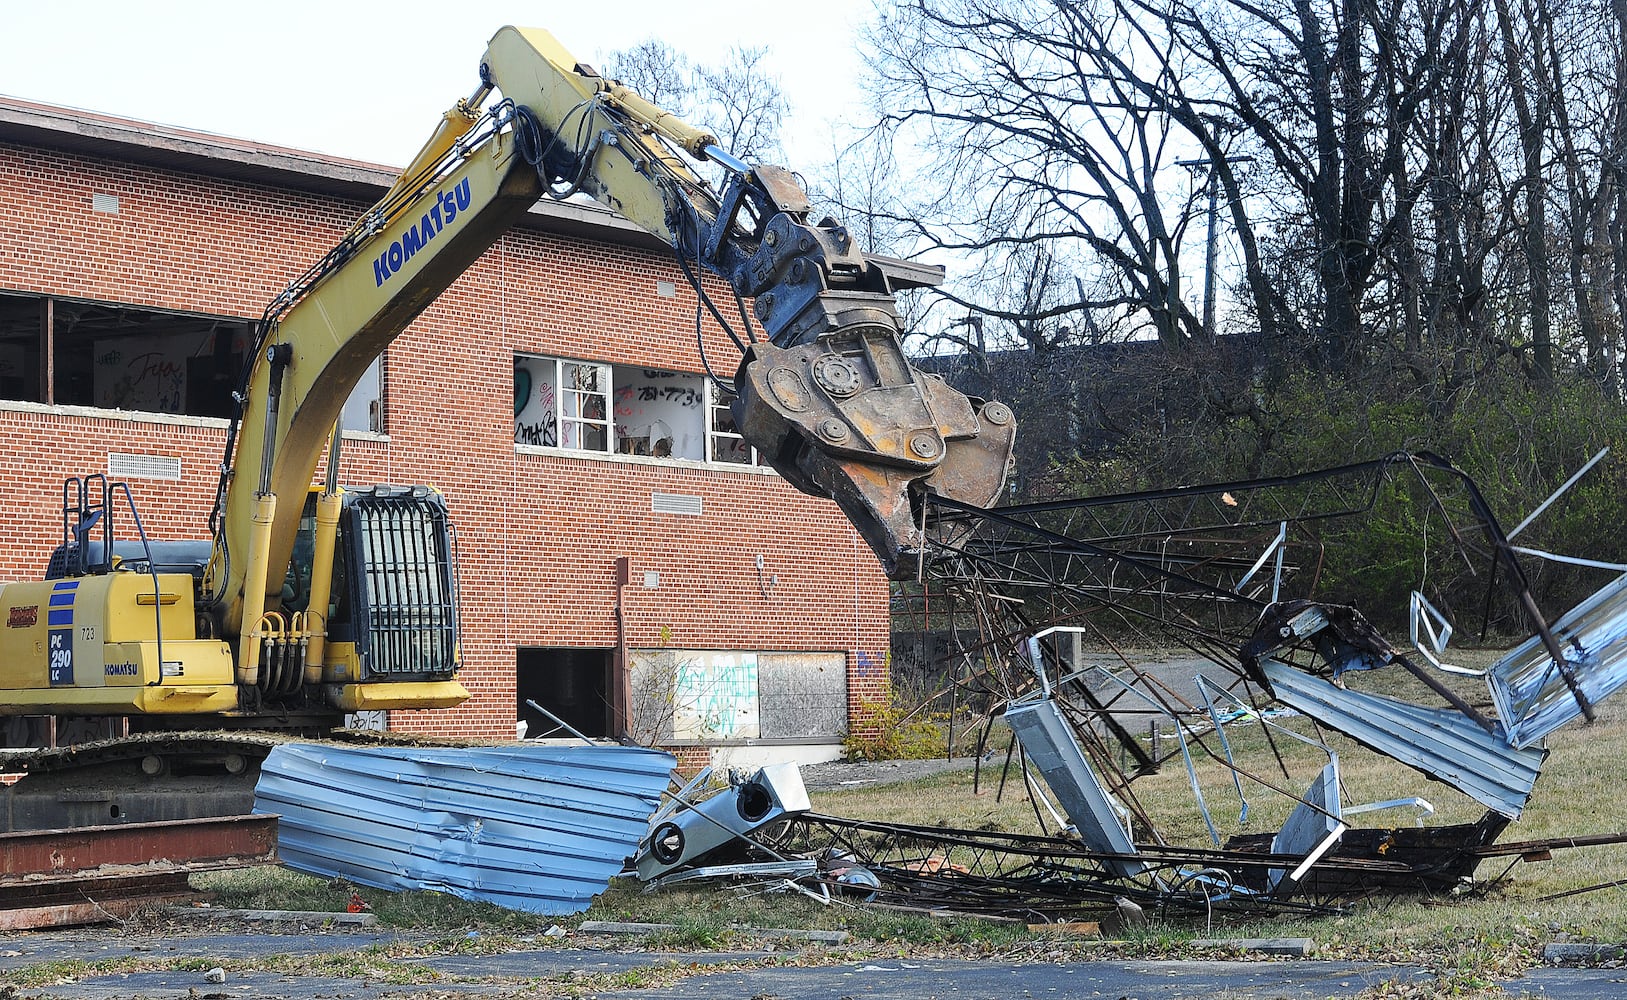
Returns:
<point x="61" y="878"/>
<point x="686" y="831"/>
<point x="1040" y="877"/>
<point x="535" y="828"/>
<point x="1060" y="594"/>
<point x="1538" y="694"/>
<point x="1222" y="571"/>
<point x="1048" y="741"/>
<point x="1440" y="743"/>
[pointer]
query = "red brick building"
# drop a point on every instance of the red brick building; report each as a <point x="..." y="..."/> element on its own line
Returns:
<point x="552" y="392"/>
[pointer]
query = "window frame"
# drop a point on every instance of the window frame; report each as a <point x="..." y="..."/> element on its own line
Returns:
<point x="712" y="399"/>
<point x="579" y="421"/>
<point x="713" y="435"/>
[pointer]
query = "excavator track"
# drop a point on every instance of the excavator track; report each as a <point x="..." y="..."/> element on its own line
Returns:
<point x="143" y="778"/>
<point x="153" y="777"/>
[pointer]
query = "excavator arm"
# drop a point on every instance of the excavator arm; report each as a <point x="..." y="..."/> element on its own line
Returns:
<point x="826" y="395"/>
<point x="459" y="195"/>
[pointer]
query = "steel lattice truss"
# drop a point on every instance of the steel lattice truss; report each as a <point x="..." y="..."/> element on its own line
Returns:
<point x="1193" y="567"/>
<point x="1176" y="562"/>
<point x="1209" y="569"/>
<point x="1052" y="877"/>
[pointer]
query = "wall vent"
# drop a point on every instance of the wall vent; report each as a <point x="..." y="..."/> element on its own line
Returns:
<point x="121" y="466"/>
<point x="675" y="503"/>
<point x="105" y="203"/>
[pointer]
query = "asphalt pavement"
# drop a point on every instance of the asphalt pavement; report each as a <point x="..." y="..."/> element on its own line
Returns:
<point x="712" y="975"/>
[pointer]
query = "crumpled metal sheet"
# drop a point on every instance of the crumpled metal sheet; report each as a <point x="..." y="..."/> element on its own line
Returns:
<point x="534" y="828"/>
<point x="1528" y="687"/>
<point x="1313" y="821"/>
<point x="1049" y="742"/>
<point x="1442" y="743"/>
<point x="686" y="831"/>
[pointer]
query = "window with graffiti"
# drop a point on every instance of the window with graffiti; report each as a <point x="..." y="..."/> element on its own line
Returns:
<point x="623" y="410"/>
<point x="562" y="404"/>
<point x="658" y="413"/>
<point x="584" y="406"/>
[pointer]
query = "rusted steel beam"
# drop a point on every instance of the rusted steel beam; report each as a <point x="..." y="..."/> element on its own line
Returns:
<point x="72" y="902"/>
<point x="234" y="839"/>
<point x="1549" y="844"/>
<point x="63" y="878"/>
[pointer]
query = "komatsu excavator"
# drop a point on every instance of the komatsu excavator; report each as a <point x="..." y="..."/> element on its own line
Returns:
<point x="308" y="604"/>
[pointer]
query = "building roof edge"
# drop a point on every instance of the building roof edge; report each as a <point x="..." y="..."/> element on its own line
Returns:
<point x="166" y="146"/>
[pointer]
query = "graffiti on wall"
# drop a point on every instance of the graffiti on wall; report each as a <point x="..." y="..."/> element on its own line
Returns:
<point x="659" y="413"/>
<point x="149" y="373"/>
<point x="715" y="697"/>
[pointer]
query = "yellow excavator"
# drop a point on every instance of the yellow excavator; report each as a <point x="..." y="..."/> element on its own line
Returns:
<point x="309" y="603"/>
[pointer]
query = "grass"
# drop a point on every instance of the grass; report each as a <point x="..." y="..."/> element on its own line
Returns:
<point x="271" y="887"/>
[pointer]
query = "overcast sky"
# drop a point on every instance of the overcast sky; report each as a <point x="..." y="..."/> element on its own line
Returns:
<point x="369" y="80"/>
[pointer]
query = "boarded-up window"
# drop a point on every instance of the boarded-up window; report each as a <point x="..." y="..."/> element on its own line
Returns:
<point x="713" y="696"/>
<point x="802" y="694"/>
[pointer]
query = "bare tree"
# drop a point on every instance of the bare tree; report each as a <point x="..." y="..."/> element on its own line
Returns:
<point x="1033" y="142"/>
<point x="1424" y="186"/>
<point x="656" y="71"/>
<point x="739" y="100"/>
<point x="745" y="104"/>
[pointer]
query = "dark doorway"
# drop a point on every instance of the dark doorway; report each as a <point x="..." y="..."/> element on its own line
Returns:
<point x="574" y="684"/>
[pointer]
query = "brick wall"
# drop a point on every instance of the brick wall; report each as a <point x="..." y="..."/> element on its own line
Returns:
<point x="538" y="534"/>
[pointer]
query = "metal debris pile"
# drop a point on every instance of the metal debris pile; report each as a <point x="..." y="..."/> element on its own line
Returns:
<point x="1049" y="610"/>
<point x="1045" y="604"/>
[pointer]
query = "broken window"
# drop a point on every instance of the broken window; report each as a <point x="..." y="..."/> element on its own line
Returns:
<point x="584" y="406"/>
<point x="122" y="357"/>
<point x="725" y="441"/>
<point x="573" y="684"/>
<point x="658" y="413"/>
<point x="624" y="410"/>
<point x="364" y="410"/>
<point x="561" y="404"/>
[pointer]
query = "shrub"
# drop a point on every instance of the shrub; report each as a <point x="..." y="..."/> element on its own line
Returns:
<point x="892" y="730"/>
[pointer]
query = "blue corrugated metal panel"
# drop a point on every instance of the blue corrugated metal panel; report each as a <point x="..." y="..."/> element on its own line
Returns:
<point x="1443" y="744"/>
<point x="532" y="828"/>
<point x="1528" y="688"/>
